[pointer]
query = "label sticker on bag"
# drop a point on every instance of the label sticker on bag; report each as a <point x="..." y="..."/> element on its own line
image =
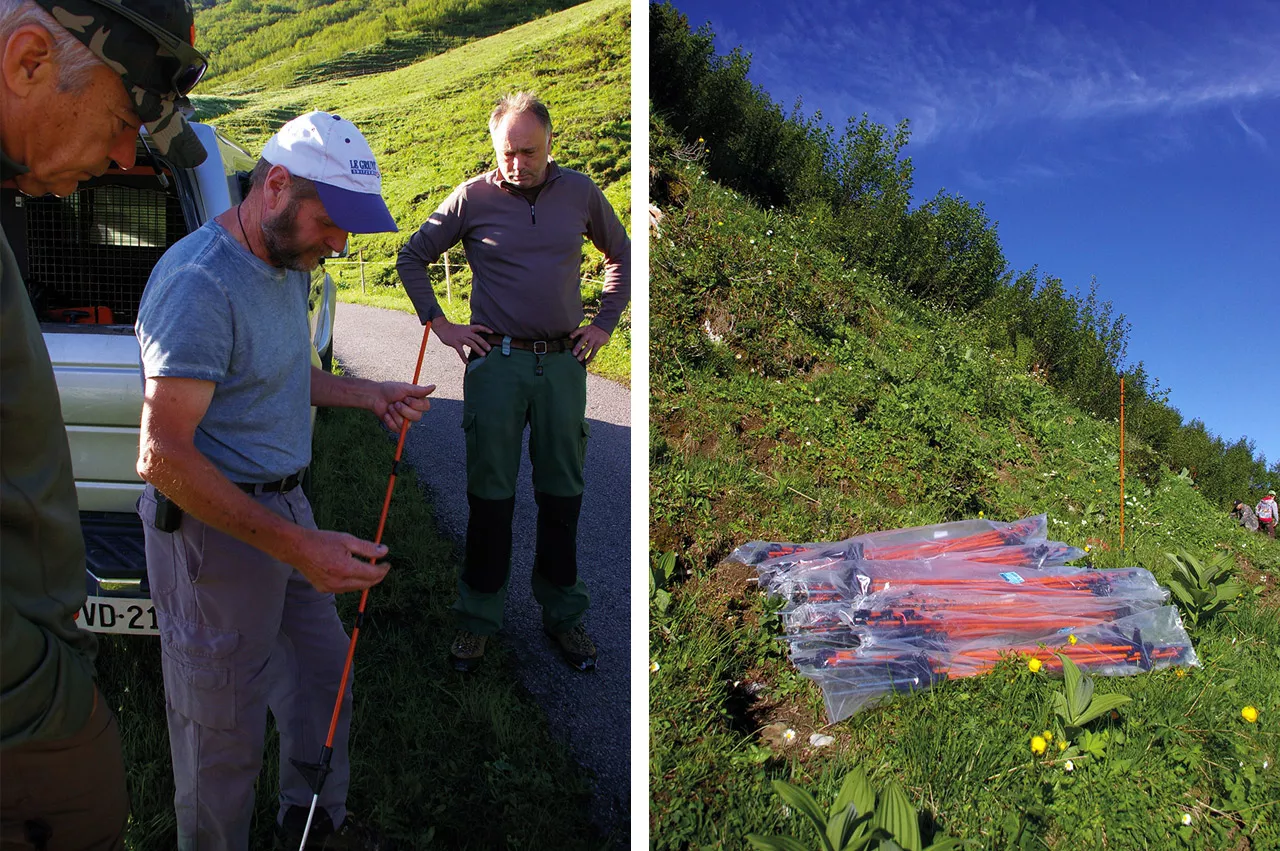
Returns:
<point x="1012" y="578"/>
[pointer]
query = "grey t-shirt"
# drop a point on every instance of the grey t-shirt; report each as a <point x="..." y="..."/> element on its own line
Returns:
<point x="213" y="311"/>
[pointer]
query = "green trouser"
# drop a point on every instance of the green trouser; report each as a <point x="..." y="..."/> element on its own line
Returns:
<point x="502" y="393"/>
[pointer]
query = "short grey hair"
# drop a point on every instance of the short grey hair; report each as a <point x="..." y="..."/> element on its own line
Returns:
<point x="75" y="61"/>
<point x="302" y="187"/>
<point x="518" y="104"/>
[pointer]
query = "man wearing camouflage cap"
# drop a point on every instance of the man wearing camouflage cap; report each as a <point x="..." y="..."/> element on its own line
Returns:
<point x="77" y="80"/>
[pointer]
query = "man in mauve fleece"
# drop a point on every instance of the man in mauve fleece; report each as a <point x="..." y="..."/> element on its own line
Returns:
<point x="521" y="226"/>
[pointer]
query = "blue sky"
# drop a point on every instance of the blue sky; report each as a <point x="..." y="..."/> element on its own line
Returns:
<point x="1134" y="142"/>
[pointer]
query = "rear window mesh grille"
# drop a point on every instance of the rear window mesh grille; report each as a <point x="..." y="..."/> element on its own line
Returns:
<point x="96" y="248"/>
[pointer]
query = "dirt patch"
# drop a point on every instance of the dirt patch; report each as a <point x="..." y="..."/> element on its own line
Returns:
<point x="1266" y="578"/>
<point x="756" y="704"/>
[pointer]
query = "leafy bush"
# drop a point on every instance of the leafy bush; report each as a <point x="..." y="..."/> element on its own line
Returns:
<point x="858" y="819"/>
<point x="1203" y="589"/>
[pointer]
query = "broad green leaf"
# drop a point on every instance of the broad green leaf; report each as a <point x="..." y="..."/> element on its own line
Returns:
<point x="856" y="789"/>
<point x="776" y="843"/>
<point x="667" y="565"/>
<point x="1181" y="593"/>
<point x="1101" y="705"/>
<point x="896" y="815"/>
<point x="946" y="845"/>
<point x="1060" y="706"/>
<point x="857" y="843"/>
<point x="800" y="800"/>
<point x="1070" y="679"/>
<point x="843" y="827"/>
<point x="1084" y="694"/>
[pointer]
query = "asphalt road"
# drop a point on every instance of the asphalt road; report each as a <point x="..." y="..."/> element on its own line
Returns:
<point x="590" y="712"/>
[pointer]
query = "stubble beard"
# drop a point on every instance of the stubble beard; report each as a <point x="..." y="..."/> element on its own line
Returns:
<point x="282" y="244"/>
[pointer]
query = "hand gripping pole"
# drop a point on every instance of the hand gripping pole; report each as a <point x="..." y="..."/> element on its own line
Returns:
<point x="315" y="773"/>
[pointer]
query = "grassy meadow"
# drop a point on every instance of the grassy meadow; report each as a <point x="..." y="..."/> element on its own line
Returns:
<point x="427" y="121"/>
<point x="794" y="398"/>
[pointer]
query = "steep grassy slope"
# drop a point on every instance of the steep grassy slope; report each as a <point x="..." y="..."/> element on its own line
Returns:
<point x="255" y="46"/>
<point x="427" y="124"/>
<point x="795" y="400"/>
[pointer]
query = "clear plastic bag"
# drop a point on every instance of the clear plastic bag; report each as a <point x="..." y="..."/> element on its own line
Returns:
<point x="902" y="610"/>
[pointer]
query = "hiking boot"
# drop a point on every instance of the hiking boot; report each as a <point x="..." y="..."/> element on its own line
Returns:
<point x="576" y="648"/>
<point x="350" y="836"/>
<point x="467" y="651"/>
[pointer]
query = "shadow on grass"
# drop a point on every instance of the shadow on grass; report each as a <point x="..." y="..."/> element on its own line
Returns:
<point x="437" y="760"/>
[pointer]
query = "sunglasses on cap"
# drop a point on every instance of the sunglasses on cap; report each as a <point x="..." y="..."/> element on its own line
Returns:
<point x="191" y="63"/>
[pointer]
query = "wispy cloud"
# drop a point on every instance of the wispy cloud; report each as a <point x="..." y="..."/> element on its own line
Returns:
<point x="964" y="69"/>
<point x="1253" y="135"/>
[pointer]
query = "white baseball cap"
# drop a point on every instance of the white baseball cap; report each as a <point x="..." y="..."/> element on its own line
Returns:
<point x="332" y="153"/>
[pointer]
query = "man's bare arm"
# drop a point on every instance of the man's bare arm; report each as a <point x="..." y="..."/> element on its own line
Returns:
<point x="392" y="401"/>
<point x="172" y="409"/>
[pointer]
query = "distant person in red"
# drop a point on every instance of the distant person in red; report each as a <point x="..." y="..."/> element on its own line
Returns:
<point x="1268" y="512"/>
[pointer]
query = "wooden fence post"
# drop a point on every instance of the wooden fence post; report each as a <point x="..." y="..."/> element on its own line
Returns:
<point x="448" y="285"/>
<point x="361" y="256"/>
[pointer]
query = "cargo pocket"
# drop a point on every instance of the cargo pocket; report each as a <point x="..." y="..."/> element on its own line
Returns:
<point x="582" y="444"/>
<point x="469" y="434"/>
<point x="198" y="670"/>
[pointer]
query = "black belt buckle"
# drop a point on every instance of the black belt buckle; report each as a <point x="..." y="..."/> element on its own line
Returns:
<point x="539" y="351"/>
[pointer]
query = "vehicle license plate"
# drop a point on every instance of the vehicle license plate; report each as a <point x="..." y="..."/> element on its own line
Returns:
<point x="120" y="615"/>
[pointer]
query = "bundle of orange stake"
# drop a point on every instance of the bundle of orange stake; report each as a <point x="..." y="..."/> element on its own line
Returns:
<point x="903" y="610"/>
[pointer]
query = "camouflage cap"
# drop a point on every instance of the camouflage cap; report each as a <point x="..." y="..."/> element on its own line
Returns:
<point x="150" y="44"/>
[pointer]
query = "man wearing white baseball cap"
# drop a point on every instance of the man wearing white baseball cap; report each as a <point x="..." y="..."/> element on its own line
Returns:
<point x="242" y="579"/>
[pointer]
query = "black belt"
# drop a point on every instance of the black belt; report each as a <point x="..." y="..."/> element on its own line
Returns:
<point x="539" y="347"/>
<point x="284" y="485"/>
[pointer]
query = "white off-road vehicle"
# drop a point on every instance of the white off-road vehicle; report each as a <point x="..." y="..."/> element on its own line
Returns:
<point x="86" y="259"/>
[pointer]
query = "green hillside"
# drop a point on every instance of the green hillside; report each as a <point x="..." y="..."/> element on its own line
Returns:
<point x="797" y="397"/>
<point x="427" y="121"/>
<point x="254" y="46"/>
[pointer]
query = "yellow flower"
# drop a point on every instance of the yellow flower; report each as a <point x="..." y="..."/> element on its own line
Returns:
<point x="1071" y="639"/>
<point x="1048" y="735"/>
<point x="1038" y="745"/>
<point x="1062" y="745"/>
<point x="979" y="514"/>
<point x="1249" y="714"/>
<point x="1181" y="672"/>
<point x="1034" y="665"/>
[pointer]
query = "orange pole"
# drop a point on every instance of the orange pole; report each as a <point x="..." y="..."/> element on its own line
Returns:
<point x="321" y="769"/>
<point x="1122" y="466"/>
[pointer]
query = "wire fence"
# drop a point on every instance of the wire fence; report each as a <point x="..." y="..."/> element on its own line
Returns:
<point x="449" y="269"/>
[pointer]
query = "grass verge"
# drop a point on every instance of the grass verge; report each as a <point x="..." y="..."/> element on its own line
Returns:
<point x="438" y="760"/>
